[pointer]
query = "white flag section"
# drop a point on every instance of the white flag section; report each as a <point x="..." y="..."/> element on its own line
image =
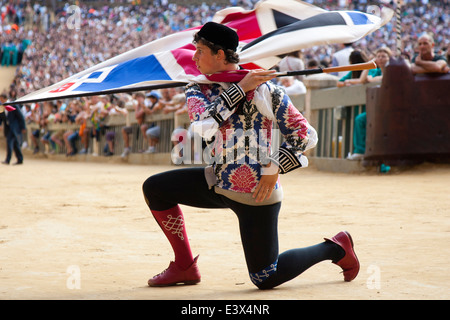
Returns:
<point x="272" y="28"/>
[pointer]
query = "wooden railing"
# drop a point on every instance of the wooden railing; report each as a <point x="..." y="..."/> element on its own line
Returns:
<point x="114" y="123"/>
<point x="332" y="112"/>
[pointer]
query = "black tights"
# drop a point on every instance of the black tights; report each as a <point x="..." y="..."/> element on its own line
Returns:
<point x="258" y="224"/>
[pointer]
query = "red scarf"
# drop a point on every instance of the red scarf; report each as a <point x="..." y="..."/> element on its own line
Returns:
<point x="227" y="76"/>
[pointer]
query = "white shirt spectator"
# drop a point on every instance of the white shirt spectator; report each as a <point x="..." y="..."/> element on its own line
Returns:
<point x="292" y="86"/>
<point x="341" y="58"/>
<point x="291" y="63"/>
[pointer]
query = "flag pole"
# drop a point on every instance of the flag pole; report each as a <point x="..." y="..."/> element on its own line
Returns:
<point x="351" y="67"/>
<point x="398" y="18"/>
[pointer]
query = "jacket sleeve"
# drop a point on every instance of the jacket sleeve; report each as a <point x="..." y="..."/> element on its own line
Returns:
<point x="298" y="134"/>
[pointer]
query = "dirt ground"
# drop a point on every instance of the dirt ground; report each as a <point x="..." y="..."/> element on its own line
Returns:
<point x="75" y="230"/>
<point x="6" y="77"/>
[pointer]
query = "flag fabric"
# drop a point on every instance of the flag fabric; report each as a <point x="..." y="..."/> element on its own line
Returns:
<point x="6" y="107"/>
<point x="322" y="29"/>
<point x="272" y="28"/>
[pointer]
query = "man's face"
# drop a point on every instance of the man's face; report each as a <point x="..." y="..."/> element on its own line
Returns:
<point x="425" y="46"/>
<point x="381" y="59"/>
<point x="205" y="60"/>
<point x="140" y="98"/>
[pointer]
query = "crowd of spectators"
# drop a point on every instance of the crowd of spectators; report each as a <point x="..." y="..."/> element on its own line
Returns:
<point x="46" y="50"/>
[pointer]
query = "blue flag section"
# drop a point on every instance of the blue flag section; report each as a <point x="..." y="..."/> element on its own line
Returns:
<point x="125" y="74"/>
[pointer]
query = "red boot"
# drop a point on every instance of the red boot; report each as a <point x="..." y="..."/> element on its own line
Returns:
<point x="174" y="275"/>
<point x="349" y="263"/>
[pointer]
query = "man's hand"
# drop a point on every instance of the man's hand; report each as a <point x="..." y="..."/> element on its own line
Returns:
<point x="266" y="184"/>
<point x="255" y="78"/>
<point x="425" y="66"/>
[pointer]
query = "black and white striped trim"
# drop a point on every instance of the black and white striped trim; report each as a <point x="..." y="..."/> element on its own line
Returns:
<point x="218" y="118"/>
<point x="285" y="160"/>
<point x="232" y="96"/>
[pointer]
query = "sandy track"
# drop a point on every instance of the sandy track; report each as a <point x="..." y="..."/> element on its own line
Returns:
<point x="67" y="220"/>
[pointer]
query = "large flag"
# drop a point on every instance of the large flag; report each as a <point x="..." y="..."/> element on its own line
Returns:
<point x="272" y="28"/>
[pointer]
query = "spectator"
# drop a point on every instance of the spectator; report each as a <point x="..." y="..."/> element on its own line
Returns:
<point x="61" y="117"/>
<point x="312" y="64"/>
<point x="14" y="125"/>
<point x="71" y="136"/>
<point x="175" y="103"/>
<point x="382" y="57"/>
<point x="167" y="95"/>
<point x="292" y="62"/>
<point x="292" y="86"/>
<point x="426" y="61"/>
<point x="137" y="103"/>
<point x="152" y="130"/>
<point x="341" y="58"/>
<point x="47" y="117"/>
<point x="96" y="106"/>
<point x="115" y="109"/>
<point x="34" y="118"/>
<point x="352" y="77"/>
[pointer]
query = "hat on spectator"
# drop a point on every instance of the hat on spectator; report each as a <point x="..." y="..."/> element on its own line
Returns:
<point x="154" y="94"/>
<point x="220" y="35"/>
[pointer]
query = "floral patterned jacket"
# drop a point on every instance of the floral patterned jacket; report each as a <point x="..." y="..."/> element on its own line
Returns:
<point x="242" y="146"/>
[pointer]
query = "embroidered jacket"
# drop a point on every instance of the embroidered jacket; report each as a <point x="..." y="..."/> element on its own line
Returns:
<point x="242" y="144"/>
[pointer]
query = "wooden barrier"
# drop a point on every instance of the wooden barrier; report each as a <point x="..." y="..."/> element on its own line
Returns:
<point x="408" y="117"/>
<point x="332" y="110"/>
<point x="114" y="123"/>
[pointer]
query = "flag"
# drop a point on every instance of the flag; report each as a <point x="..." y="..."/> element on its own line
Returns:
<point x="272" y="28"/>
<point x="321" y="29"/>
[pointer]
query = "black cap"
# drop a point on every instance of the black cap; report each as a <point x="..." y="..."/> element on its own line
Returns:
<point x="220" y="35"/>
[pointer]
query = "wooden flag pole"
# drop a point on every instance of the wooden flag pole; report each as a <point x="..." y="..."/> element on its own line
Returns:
<point x="350" y="67"/>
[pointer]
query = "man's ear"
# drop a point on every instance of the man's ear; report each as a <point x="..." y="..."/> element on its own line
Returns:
<point x="220" y="55"/>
